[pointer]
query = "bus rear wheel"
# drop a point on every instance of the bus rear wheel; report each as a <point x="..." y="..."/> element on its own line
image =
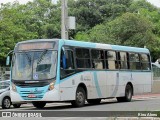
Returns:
<point x="128" y="94"/>
<point x="80" y="98"/>
<point x="39" y="104"/>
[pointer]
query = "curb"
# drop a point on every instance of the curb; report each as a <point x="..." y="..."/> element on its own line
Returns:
<point x="147" y="96"/>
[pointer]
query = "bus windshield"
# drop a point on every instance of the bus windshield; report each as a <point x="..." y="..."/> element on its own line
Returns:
<point x="34" y="65"/>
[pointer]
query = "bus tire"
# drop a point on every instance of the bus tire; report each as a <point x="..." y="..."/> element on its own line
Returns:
<point x="39" y="105"/>
<point x="128" y="94"/>
<point x="94" y="101"/>
<point x="6" y="103"/>
<point x="16" y="105"/>
<point x="79" y="98"/>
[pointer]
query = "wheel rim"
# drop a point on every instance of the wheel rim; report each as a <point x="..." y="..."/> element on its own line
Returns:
<point x="7" y="103"/>
<point x="80" y="97"/>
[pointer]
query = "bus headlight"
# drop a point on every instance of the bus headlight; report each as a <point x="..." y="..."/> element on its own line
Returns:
<point x="51" y="86"/>
<point x="14" y="87"/>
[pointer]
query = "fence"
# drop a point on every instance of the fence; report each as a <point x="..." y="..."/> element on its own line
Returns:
<point x="156" y="73"/>
<point x="4" y="73"/>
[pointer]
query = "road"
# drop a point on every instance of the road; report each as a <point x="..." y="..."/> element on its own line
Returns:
<point x="107" y="108"/>
<point x="137" y="104"/>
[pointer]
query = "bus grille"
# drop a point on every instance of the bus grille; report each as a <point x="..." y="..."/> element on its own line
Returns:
<point x="32" y="95"/>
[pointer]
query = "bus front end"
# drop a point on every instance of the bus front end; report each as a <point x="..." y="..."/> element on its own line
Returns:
<point x="33" y="77"/>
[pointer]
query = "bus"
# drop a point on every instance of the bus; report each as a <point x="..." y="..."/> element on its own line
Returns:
<point x="57" y="70"/>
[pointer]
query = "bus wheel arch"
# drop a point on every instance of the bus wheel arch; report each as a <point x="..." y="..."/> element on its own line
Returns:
<point x="82" y="85"/>
<point x="80" y="96"/>
<point x="129" y="91"/>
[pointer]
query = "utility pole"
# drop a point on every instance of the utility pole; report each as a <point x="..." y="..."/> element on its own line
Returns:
<point x="64" y="19"/>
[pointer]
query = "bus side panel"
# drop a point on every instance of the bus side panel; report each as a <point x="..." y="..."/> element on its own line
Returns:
<point x="142" y="82"/>
<point x="112" y="83"/>
<point x="99" y="84"/>
<point x="68" y="86"/>
<point x="124" y="78"/>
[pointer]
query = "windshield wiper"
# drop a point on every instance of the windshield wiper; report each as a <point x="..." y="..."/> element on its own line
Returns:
<point x="29" y="58"/>
<point x="41" y="57"/>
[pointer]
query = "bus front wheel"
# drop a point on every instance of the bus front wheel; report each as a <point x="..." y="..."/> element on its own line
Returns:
<point x="39" y="104"/>
<point x="128" y="94"/>
<point x="80" y="98"/>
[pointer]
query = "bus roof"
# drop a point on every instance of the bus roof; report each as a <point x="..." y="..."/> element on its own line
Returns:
<point x="93" y="45"/>
<point x="105" y="46"/>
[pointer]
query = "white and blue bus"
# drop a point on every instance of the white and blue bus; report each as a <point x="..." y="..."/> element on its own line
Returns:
<point x="56" y="70"/>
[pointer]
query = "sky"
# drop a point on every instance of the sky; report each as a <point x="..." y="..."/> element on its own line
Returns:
<point x="154" y="2"/>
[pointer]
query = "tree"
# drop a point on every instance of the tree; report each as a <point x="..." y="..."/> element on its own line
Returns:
<point x="141" y="4"/>
<point x="37" y="19"/>
<point x="129" y="29"/>
<point x="12" y="28"/>
<point x="89" y="13"/>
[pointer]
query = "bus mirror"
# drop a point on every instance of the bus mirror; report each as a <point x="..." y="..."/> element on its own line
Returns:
<point x="8" y="60"/>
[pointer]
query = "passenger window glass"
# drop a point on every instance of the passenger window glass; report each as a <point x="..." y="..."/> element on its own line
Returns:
<point x="97" y="59"/>
<point x="111" y="55"/>
<point x="134" y="61"/>
<point x="133" y="57"/>
<point x="97" y="54"/>
<point x="123" y="60"/>
<point x="83" y="58"/>
<point x="111" y="62"/>
<point x="67" y="63"/>
<point x="144" y="58"/>
<point x="82" y="53"/>
<point x="145" y="62"/>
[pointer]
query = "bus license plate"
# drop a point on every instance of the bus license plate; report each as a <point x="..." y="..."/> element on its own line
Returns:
<point x="31" y="96"/>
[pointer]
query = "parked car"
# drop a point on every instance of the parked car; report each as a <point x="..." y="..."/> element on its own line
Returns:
<point x="5" y="100"/>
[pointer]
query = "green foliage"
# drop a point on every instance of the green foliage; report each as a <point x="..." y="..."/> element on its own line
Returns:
<point x="89" y="13"/>
<point x="129" y="29"/>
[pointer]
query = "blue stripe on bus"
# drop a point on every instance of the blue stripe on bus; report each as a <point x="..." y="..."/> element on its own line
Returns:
<point x="129" y="49"/>
<point x="61" y="42"/>
<point x="80" y="43"/>
<point x="139" y="72"/>
<point x="97" y="84"/>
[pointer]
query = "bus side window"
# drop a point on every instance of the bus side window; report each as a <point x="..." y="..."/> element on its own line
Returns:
<point x="110" y="60"/>
<point x="145" y="62"/>
<point x="67" y="63"/>
<point x="123" y="60"/>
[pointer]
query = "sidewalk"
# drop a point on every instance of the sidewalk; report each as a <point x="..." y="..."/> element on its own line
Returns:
<point x="145" y="96"/>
